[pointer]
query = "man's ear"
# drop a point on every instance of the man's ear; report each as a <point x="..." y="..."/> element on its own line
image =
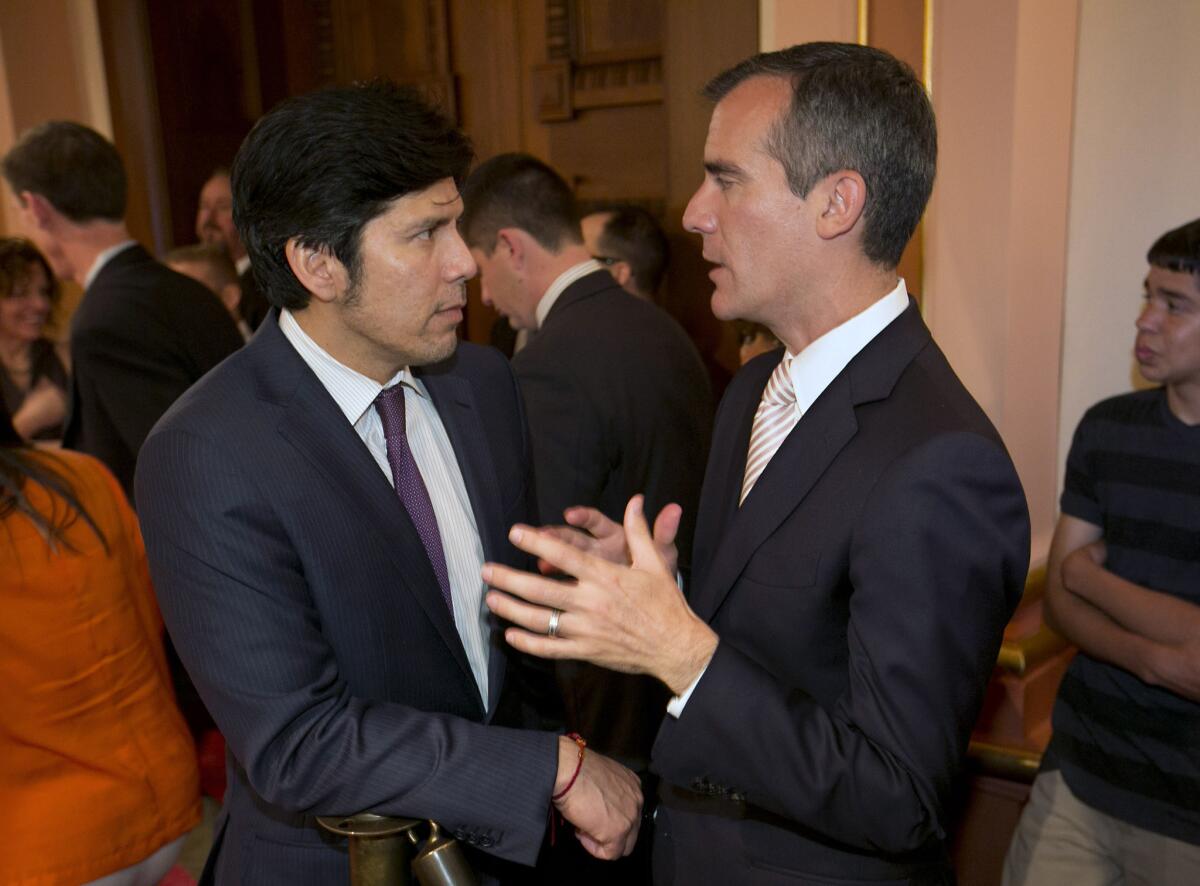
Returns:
<point x="621" y="272"/>
<point x="844" y="197"/>
<point x="38" y="211"/>
<point x="317" y="270"/>
<point x="511" y="242"/>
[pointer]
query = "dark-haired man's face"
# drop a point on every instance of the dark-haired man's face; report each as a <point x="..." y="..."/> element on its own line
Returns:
<point x="754" y="227"/>
<point x="406" y="304"/>
<point x="1167" y="348"/>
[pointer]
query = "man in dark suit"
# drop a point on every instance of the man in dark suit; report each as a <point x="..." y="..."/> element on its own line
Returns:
<point x="617" y="398"/>
<point x="214" y="225"/>
<point x="143" y="333"/>
<point x="317" y="510"/>
<point x="863" y="536"/>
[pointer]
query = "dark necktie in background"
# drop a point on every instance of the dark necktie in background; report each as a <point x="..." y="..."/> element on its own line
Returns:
<point x="409" y="484"/>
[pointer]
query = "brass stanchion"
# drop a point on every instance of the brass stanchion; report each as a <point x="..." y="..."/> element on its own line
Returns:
<point x="380" y="852"/>
<point x="441" y="861"/>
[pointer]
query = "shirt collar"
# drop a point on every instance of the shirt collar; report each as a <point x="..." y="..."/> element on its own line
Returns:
<point x="104" y="258"/>
<point x="353" y="392"/>
<point x="560" y="284"/>
<point x="817" y="365"/>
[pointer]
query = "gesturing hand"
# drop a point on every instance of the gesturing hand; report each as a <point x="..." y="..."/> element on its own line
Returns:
<point x="591" y="531"/>
<point x="626" y="618"/>
<point x="604" y="803"/>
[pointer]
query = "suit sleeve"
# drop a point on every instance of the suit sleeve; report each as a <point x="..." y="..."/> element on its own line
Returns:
<point x="937" y="561"/>
<point x="234" y="597"/>
<point x="571" y="456"/>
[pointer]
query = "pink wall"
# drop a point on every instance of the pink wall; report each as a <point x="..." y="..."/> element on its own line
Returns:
<point x="996" y="230"/>
<point x="786" y="22"/>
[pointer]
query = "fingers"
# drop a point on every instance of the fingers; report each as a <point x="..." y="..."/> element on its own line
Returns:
<point x="569" y="535"/>
<point x="541" y="646"/>
<point x="666" y="524"/>
<point x="591" y="520"/>
<point x="529" y="587"/>
<point x="637" y="535"/>
<point x="557" y="553"/>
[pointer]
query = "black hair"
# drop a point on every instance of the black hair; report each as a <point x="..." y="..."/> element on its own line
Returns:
<point x="75" y="168"/>
<point x="633" y="235"/>
<point x="518" y="191"/>
<point x="18" y="257"/>
<point x="320" y="166"/>
<point x="852" y="107"/>
<point x="20" y="466"/>
<point x="1177" y="249"/>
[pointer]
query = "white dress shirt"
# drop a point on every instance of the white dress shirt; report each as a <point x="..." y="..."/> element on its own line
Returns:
<point x="355" y="395"/>
<point x="104" y="258"/>
<point x="812" y="371"/>
<point x="560" y="284"/>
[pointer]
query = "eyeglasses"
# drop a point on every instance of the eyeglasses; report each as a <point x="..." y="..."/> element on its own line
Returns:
<point x="607" y="260"/>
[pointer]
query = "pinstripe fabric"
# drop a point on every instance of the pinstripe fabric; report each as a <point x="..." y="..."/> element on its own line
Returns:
<point x="776" y="416"/>
<point x="431" y="449"/>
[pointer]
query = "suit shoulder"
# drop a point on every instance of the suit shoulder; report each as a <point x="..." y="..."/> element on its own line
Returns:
<point x="222" y="398"/>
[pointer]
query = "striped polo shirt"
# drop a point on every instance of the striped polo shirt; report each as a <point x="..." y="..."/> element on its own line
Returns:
<point x="1126" y="748"/>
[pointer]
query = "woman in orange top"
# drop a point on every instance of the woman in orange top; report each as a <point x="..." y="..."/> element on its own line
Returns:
<point x="97" y="769"/>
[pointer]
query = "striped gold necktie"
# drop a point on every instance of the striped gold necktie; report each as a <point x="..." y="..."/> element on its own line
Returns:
<point x="776" y="417"/>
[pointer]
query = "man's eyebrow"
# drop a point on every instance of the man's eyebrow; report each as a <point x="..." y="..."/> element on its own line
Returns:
<point x="719" y="168"/>
<point x="432" y="221"/>
<point x="1176" y="293"/>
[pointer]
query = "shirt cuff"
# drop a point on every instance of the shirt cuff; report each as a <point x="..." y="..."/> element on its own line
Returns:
<point x="676" y="705"/>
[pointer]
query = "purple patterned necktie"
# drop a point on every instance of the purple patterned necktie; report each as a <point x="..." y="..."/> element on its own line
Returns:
<point x="409" y="485"/>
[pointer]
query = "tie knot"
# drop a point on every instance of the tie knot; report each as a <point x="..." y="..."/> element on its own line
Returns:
<point x="390" y="405"/>
<point x="779" y="390"/>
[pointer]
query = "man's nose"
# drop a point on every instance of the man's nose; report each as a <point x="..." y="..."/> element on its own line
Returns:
<point x="697" y="218"/>
<point x="1149" y="318"/>
<point x="461" y="264"/>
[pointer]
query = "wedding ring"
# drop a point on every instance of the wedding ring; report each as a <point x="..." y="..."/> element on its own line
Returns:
<point x="552" y="627"/>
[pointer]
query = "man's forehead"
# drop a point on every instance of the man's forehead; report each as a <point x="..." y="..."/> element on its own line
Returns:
<point x="1180" y="282"/>
<point x="741" y="119"/>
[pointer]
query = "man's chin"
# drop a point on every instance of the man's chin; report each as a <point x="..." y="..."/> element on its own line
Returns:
<point x="723" y="307"/>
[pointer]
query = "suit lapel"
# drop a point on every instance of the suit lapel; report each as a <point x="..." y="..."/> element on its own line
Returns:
<point x="455" y="402"/>
<point x="802" y="458"/>
<point x="313" y="424"/>
<point x="726" y="467"/>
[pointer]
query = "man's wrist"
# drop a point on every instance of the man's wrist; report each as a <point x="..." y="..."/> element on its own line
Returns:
<point x="568" y="762"/>
<point x="691" y="660"/>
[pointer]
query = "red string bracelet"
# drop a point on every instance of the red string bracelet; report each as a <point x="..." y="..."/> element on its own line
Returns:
<point x="579" y="740"/>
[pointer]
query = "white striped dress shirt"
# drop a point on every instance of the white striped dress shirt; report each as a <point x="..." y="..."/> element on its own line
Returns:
<point x="355" y="395"/>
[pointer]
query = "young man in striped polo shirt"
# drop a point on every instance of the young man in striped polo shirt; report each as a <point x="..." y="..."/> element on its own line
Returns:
<point x="1118" y="798"/>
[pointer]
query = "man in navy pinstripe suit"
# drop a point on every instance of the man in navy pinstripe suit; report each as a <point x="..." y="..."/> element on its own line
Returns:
<point x="317" y="510"/>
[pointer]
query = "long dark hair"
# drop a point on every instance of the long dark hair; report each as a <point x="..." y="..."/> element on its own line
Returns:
<point x="18" y="466"/>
